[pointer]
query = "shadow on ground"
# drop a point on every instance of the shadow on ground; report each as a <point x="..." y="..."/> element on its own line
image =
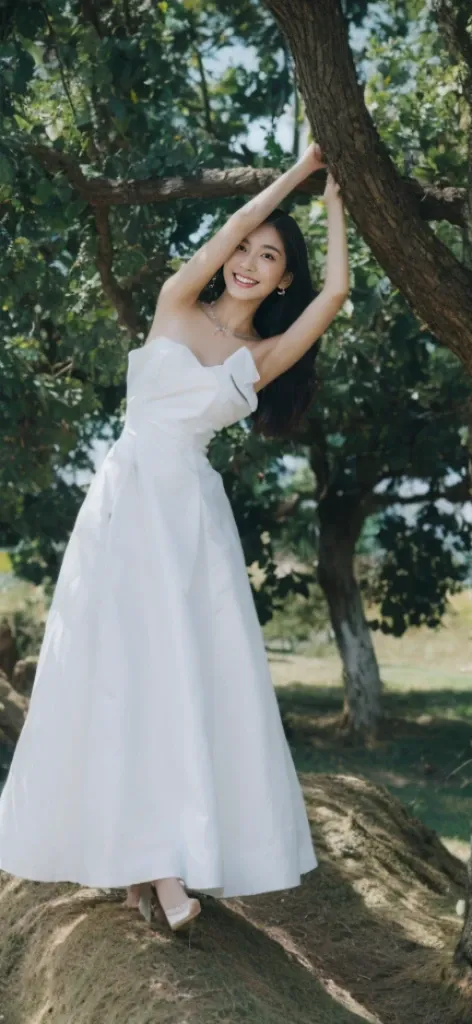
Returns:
<point x="377" y="919"/>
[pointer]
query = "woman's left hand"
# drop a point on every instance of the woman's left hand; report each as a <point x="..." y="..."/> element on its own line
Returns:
<point x="331" y="192"/>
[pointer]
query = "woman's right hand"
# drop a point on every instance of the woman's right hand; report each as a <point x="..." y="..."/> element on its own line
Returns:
<point x="312" y="159"/>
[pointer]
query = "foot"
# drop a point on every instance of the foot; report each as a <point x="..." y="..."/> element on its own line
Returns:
<point x="178" y="907"/>
<point x="132" y="899"/>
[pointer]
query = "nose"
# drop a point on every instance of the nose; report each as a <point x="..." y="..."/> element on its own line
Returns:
<point x="247" y="265"/>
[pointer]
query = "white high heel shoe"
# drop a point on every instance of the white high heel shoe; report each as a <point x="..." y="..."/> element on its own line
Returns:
<point x="177" y="918"/>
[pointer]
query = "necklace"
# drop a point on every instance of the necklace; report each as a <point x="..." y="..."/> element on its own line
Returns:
<point x="225" y="330"/>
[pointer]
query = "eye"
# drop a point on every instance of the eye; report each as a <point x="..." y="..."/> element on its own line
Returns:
<point x="269" y="254"/>
<point x="240" y="245"/>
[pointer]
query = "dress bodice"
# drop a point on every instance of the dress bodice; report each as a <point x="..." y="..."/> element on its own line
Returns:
<point x="169" y="388"/>
<point x="174" y="407"/>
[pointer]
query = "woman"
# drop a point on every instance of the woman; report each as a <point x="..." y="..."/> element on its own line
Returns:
<point x="153" y="755"/>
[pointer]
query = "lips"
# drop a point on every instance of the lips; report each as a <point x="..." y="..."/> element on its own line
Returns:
<point x="244" y="282"/>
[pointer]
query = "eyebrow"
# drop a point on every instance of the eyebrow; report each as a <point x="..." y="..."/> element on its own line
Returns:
<point x="274" y="247"/>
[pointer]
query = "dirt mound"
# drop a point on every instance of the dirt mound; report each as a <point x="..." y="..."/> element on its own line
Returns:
<point x="23" y="675"/>
<point x="378" y="920"/>
<point x="13" y="708"/>
<point x="368" y="937"/>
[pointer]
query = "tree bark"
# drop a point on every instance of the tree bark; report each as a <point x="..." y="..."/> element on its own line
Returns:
<point x="340" y="524"/>
<point x="120" y="297"/>
<point x="438" y="287"/>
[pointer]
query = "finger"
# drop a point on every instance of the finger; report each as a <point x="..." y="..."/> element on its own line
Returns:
<point x="319" y="155"/>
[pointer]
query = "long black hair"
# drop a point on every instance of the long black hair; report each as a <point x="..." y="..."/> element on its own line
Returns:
<point x="284" y="402"/>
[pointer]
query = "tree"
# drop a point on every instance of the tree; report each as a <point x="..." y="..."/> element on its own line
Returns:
<point x="384" y="436"/>
<point x="436" y="280"/>
<point x="395" y="406"/>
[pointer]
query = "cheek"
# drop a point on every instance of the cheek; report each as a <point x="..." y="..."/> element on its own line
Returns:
<point x="270" y="270"/>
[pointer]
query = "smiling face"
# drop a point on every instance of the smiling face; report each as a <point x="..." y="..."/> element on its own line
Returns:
<point x="258" y="265"/>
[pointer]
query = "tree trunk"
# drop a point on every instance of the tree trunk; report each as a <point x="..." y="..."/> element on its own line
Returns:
<point x="437" y="286"/>
<point x="463" y="953"/>
<point x="340" y="524"/>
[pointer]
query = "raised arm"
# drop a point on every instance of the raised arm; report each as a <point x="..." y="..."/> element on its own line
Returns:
<point x="184" y="287"/>
<point x="275" y="355"/>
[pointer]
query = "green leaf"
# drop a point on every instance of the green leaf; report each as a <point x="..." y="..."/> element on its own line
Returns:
<point x="23" y="72"/>
<point x="7" y="171"/>
<point x="44" y="191"/>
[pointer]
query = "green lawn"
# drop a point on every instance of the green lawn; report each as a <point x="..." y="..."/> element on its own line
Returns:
<point x="427" y="737"/>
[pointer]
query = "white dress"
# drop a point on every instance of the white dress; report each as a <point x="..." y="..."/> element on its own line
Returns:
<point x="153" y="745"/>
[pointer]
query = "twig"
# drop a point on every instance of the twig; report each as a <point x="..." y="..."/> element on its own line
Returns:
<point x="461" y="766"/>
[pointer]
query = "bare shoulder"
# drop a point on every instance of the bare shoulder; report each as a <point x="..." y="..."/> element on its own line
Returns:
<point x="175" y="322"/>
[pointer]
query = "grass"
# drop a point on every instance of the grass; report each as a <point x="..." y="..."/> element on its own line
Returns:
<point x="427" y="736"/>
<point x="416" y="758"/>
<point x="5" y="562"/>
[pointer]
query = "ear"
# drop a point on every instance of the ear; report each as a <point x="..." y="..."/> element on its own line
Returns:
<point x="286" y="280"/>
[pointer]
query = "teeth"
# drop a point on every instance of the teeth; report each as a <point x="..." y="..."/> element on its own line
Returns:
<point x="244" y="280"/>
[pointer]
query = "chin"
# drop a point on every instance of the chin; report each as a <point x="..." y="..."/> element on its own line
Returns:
<point x="237" y="294"/>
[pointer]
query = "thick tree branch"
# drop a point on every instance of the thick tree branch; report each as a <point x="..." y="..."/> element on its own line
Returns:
<point x="119" y="296"/>
<point x="437" y="285"/>
<point x="432" y="203"/>
<point x="438" y="203"/>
